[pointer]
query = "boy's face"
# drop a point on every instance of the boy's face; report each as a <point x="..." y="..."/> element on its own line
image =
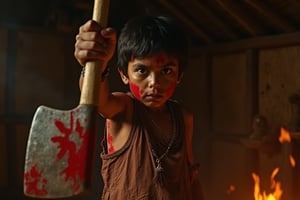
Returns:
<point x="153" y="79"/>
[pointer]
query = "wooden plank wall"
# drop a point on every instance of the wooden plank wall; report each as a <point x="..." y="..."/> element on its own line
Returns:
<point x="279" y="72"/>
<point x="247" y="78"/>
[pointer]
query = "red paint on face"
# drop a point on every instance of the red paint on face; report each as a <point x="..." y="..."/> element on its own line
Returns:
<point x="169" y="92"/>
<point x="109" y="138"/>
<point x="35" y="183"/>
<point x="160" y="59"/>
<point x="76" y="167"/>
<point x="135" y="90"/>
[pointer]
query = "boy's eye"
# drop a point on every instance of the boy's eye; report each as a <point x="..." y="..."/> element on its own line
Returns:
<point x="141" y="70"/>
<point x="167" y="71"/>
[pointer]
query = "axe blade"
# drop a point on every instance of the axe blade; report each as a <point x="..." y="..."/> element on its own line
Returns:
<point x="60" y="152"/>
<point x="60" y="148"/>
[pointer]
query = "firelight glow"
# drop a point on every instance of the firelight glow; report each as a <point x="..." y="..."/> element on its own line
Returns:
<point x="275" y="187"/>
<point x="285" y="136"/>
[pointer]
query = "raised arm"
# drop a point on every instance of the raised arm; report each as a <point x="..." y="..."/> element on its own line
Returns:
<point x="94" y="43"/>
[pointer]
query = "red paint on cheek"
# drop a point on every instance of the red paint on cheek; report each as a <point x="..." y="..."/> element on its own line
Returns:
<point x="135" y="90"/>
<point x="169" y="92"/>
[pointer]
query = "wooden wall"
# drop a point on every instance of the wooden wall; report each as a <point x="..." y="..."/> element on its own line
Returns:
<point x="243" y="79"/>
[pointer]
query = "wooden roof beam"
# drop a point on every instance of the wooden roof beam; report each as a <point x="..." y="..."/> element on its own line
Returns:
<point x="272" y="17"/>
<point x="187" y="22"/>
<point x="216" y="21"/>
<point x="240" y="17"/>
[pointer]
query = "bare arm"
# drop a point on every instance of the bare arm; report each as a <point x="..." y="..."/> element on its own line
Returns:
<point x="194" y="167"/>
<point x="96" y="43"/>
<point x="189" y="129"/>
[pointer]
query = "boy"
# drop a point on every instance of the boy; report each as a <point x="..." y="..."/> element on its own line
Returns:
<point x="147" y="145"/>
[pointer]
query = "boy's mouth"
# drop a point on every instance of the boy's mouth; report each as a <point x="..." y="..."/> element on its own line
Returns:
<point x="153" y="97"/>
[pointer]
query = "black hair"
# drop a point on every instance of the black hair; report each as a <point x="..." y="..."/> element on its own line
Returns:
<point x="146" y="35"/>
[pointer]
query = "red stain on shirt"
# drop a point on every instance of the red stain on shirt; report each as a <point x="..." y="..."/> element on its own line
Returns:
<point x="109" y="138"/>
<point x="35" y="183"/>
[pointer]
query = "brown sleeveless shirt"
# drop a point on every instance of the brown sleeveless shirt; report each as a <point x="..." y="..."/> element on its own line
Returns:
<point x="130" y="173"/>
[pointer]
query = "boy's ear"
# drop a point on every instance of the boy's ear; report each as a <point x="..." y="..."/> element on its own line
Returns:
<point x="180" y="78"/>
<point x="123" y="77"/>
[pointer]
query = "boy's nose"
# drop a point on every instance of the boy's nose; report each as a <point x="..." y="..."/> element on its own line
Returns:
<point x="154" y="80"/>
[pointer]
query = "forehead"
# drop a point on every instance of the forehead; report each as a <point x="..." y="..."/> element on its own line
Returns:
<point x="159" y="58"/>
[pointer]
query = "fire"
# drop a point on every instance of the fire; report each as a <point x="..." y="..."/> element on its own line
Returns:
<point x="286" y="137"/>
<point x="275" y="187"/>
<point x="292" y="161"/>
<point x="230" y="189"/>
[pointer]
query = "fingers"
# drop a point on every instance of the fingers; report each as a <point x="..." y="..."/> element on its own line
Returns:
<point x="90" y="35"/>
<point x="90" y="26"/>
<point x="84" y="56"/>
<point x="90" y="41"/>
<point x="94" y="43"/>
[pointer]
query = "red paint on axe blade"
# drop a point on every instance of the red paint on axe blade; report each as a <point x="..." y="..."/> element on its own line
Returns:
<point x="35" y="183"/>
<point x="75" y="168"/>
<point x="71" y="150"/>
<point x="74" y="147"/>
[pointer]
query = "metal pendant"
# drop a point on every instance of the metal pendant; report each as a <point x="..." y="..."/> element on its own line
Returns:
<point x="159" y="167"/>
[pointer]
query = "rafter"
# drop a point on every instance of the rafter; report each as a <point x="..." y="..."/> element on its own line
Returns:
<point x="273" y="18"/>
<point x="203" y="12"/>
<point x="240" y="17"/>
<point x="188" y="22"/>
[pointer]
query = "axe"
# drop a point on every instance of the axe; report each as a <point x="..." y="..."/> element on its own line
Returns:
<point x="60" y="148"/>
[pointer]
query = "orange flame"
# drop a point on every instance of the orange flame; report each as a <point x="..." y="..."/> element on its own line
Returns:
<point x="230" y="189"/>
<point x="275" y="186"/>
<point x="292" y="161"/>
<point x="284" y="136"/>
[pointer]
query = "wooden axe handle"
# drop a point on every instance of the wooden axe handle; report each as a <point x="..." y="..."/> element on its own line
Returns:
<point x="90" y="88"/>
